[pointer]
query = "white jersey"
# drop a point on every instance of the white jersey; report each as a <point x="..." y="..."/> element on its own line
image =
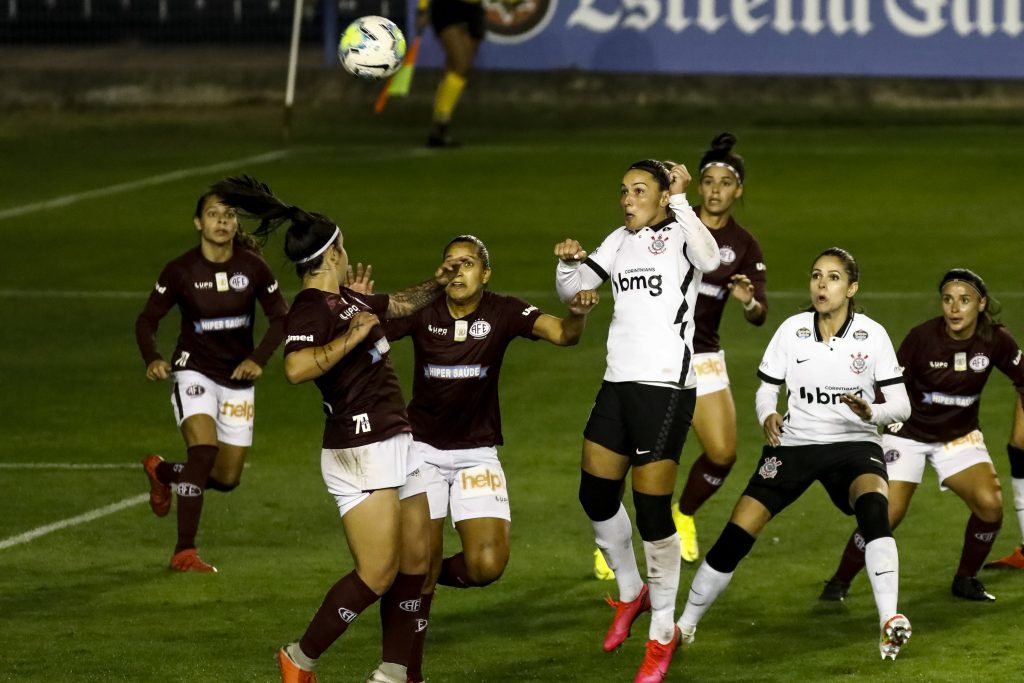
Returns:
<point x="655" y="274"/>
<point x="818" y="372"/>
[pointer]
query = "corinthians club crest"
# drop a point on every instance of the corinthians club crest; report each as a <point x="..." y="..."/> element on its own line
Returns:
<point x="769" y="468"/>
<point x="859" y="362"/>
<point x="658" y="245"/>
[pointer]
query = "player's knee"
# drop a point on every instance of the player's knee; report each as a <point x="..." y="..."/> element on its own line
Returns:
<point x="988" y="506"/>
<point x="653" y="516"/>
<point x="599" y="497"/>
<point x="721" y="457"/>
<point x="379" y="576"/>
<point x="215" y="484"/>
<point x="486" y="567"/>
<point x="732" y="546"/>
<point x="872" y="510"/>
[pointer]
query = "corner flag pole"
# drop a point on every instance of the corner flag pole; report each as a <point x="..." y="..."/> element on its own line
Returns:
<point x="293" y="60"/>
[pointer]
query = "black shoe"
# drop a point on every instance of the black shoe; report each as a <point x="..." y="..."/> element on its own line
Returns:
<point x="834" y="591"/>
<point x="442" y="141"/>
<point x="970" y="588"/>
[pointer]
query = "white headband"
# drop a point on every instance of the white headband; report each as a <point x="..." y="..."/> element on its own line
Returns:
<point x="324" y="248"/>
<point x="724" y="165"/>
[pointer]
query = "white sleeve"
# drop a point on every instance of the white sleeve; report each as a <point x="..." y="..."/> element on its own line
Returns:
<point x="774" y="362"/>
<point x="766" y="401"/>
<point x="573" y="276"/>
<point x="702" y="250"/>
<point x="896" y="407"/>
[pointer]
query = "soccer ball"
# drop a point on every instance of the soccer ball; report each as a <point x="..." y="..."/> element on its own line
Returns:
<point x="372" y="48"/>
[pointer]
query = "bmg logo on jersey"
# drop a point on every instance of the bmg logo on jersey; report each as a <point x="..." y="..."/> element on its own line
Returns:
<point x="829" y="396"/>
<point x="635" y="279"/>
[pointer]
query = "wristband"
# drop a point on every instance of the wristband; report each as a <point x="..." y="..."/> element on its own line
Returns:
<point x="750" y="305"/>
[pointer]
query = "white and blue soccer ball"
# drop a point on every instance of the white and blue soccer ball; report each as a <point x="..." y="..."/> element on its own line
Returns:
<point x="372" y="47"/>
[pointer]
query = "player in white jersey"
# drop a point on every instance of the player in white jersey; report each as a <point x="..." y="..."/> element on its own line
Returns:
<point x="830" y="359"/>
<point x="643" y="410"/>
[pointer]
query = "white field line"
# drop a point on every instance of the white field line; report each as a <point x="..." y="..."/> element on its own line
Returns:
<point x="113" y="294"/>
<point x="160" y="179"/>
<point x="73" y="521"/>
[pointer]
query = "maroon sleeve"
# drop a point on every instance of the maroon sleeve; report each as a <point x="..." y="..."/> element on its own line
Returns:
<point x="161" y="299"/>
<point x="276" y="308"/>
<point x="522" y="317"/>
<point x="305" y="325"/>
<point x="396" y="328"/>
<point x="1009" y="360"/>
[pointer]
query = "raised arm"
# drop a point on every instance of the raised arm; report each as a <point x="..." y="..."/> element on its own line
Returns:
<point x="408" y="301"/>
<point x="570" y="277"/>
<point x="701" y="248"/>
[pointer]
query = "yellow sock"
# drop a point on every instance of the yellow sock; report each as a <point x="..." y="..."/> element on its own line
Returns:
<point x="448" y="93"/>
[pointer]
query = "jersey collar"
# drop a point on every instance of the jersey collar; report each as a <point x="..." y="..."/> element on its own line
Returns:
<point x="664" y="224"/>
<point x="842" y="330"/>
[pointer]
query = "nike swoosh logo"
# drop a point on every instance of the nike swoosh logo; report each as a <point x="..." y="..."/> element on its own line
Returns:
<point x="876" y="460"/>
<point x="640" y="452"/>
<point x="888" y="572"/>
<point x="801" y="360"/>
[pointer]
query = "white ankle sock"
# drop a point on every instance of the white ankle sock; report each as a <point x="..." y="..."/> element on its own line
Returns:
<point x="663" y="581"/>
<point x="615" y="539"/>
<point x="1018" y="504"/>
<point x="883" y="567"/>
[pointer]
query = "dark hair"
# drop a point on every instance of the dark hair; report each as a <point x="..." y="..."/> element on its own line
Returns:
<point x="658" y="169"/>
<point x="308" y="232"/>
<point x="242" y="239"/>
<point x="987" y="320"/>
<point x="481" y="248"/>
<point x="849" y="266"/>
<point x="721" y="153"/>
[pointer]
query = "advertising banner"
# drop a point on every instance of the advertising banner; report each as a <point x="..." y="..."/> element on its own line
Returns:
<point x="918" y="38"/>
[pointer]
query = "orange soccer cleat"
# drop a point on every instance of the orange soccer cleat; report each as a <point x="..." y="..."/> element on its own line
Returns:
<point x="654" y="668"/>
<point x="625" y="614"/>
<point x="1014" y="560"/>
<point x="292" y="672"/>
<point x="189" y="561"/>
<point x="159" y="492"/>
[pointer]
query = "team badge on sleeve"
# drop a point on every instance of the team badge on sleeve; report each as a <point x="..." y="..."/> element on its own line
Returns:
<point x="860" y="335"/>
<point x="769" y="468"/>
<point x="803" y="333"/>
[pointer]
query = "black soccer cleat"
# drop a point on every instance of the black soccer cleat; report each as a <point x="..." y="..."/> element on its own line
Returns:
<point x="834" y="591"/>
<point x="970" y="588"/>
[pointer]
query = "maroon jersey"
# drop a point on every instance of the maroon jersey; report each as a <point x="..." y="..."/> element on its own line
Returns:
<point x="362" y="398"/>
<point x="741" y="255"/>
<point x="944" y="378"/>
<point x="455" y="388"/>
<point x="218" y="306"/>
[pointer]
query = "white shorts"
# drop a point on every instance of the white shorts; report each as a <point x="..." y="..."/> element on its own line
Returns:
<point x="193" y="393"/>
<point x="469" y="480"/>
<point x="905" y="458"/>
<point x="352" y="474"/>
<point x="712" y="375"/>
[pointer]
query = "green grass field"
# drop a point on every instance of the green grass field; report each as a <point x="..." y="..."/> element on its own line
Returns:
<point x="96" y="602"/>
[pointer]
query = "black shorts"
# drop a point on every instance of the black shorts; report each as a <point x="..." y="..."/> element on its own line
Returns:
<point x="785" y="472"/>
<point x="642" y="422"/>
<point x="445" y="13"/>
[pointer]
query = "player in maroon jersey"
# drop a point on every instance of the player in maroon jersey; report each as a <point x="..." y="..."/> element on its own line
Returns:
<point x="216" y="286"/>
<point x="1015" y="450"/>
<point x="947" y="361"/>
<point x="460" y="342"/>
<point x="741" y="276"/>
<point x="335" y="340"/>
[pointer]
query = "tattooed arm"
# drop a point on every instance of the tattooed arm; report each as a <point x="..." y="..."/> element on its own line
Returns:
<point x="314" y="361"/>
<point x="408" y="301"/>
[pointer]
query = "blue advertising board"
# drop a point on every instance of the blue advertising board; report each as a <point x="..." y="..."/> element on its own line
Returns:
<point x="917" y="38"/>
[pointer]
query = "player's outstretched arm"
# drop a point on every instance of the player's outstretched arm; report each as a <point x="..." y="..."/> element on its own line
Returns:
<point x="314" y="361"/>
<point x="408" y="301"/>
<point x="568" y="330"/>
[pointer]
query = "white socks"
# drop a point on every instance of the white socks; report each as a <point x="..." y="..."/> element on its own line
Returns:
<point x="615" y="539"/>
<point x="663" y="581"/>
<point x="1018" y="504"/>
<point x="883" y="567"/>
<point x="705" y="588"/>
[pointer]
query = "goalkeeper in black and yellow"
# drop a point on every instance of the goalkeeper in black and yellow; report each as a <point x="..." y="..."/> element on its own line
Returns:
<point x="459" y="26"/>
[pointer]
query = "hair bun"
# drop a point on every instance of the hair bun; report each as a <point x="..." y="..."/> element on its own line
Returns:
<point x="724" y="142"/>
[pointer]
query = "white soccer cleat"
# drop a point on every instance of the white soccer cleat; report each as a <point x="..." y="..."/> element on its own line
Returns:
<point x="686" y="639"/>
<point x="895" y="633"/>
